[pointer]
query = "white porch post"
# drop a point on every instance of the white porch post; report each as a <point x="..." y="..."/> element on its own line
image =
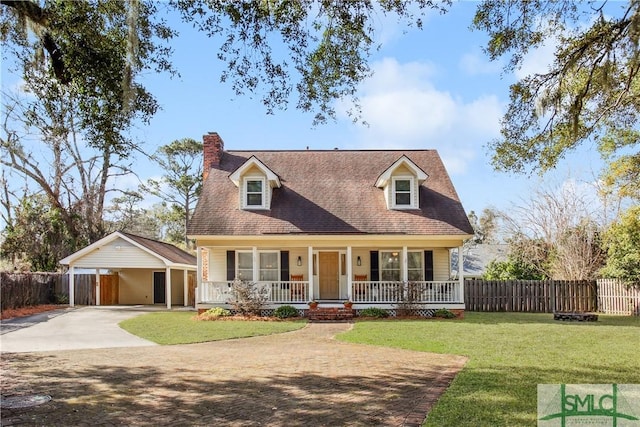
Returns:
<point x="198" y="275"/>
<point x="349" y="275"/>
<point x="461" y="274"/>
<point x="310" y="272"/>
<point x="256" y="264"/>
<point x="72" y="285"/>
<point x="405" y="272"/>
<point x="405" y="264"/>
<point x="97" y="286"/>
<point x="168" y="287"/>
<point x="185" y="278"/>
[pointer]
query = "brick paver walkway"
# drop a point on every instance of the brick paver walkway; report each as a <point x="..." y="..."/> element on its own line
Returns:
<point x="301" y="378"/>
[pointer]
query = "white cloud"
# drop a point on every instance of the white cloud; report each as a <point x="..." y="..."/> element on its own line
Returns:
<point x="538" y="60"/>
<point x="405" y="110"/>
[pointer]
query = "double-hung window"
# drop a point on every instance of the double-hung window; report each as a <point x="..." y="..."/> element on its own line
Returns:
<point x="254" y="193"/>
<point x="268" y="266"/>
<point x="414" y="264"/>
<point x="390" y="266"/>
<point x="403" y="192"/>
<point x="245" y="266"/>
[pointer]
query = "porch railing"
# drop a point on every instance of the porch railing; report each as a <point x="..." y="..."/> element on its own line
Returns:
<point x="361" y="292"/>
<point x="278" y="292"/>
<point x="418" y="292"/>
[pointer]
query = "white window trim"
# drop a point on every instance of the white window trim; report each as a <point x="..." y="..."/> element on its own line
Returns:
<point x="401" y="260"/>
<point x="237" y="266"/>
<point x="255" y="279"/>
<point x="245" y="193"/>
<point x="421" y="264"/>
<point x="412" y="191"/>
<point x="380" y="261"/>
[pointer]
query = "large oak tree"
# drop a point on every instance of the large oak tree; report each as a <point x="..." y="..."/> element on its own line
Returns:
<point x="591" y="91"/>
<point x="80" y="62"/>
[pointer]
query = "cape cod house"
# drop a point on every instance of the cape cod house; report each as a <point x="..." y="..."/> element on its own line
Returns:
<point x="329" y="226"/>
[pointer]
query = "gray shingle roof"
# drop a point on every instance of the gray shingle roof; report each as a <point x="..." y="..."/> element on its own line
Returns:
<point x="326" y="192"/>
<point x="165" y="250"/>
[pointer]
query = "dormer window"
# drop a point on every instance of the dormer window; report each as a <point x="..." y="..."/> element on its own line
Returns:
<point x="255" y="182"/>
<point x="400" y="183"/>
<point x="402" y="192"/>
<point x="255" y="195"/>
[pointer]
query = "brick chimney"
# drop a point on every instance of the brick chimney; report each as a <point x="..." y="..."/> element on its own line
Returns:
<point x="213" y="147"/>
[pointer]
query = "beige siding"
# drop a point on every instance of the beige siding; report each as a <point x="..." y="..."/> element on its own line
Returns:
<point x="136" y="286"/>
<point x="293" y="262"/>
<point x="119" y="254"/>
<point x="365" y="258"/>
<point x="441" y="264"/>
<point x="177" y="287"/>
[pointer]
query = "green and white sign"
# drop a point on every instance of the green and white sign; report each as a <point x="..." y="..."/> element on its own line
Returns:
<point x="565" y="405"/>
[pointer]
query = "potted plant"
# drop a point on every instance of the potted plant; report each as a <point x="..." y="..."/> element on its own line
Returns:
<point x="313" y="304"/>
<point x="348" y="304"/>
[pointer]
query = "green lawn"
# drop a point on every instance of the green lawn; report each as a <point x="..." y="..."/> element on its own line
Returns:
<point x="181" y="328"/>
<point x="509" y="354"/>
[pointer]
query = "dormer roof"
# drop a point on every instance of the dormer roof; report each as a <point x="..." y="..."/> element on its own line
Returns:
<point x="253" y="161"/>
<point x="385" y="176"/>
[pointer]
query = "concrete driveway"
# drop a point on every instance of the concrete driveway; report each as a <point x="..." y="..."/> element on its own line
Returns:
<point x="71" y="329"/>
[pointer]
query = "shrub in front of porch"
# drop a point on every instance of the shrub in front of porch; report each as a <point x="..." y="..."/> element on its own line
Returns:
<point x="444" y="313"/>
<point x="214" y="313"/>
<point x="376" y="312"/>
<point x="409" y="300"/>
<point x="249" y="298"/>
<point x="286" y="311"/>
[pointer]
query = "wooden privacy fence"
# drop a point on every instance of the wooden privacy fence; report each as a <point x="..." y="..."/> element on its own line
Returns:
<point x="531" y="296"/>
<point x="27" y="289"/>
<point x="614" y="297"/>
<point x="84" y="288"/>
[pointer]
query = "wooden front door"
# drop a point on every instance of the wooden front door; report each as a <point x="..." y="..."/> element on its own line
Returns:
<point x="329" y="277"/>
<point x="109" y="289"/>
<point x="159" y="287"/>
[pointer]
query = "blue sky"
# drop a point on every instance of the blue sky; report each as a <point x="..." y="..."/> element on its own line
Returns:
<point x="432" y="89"/>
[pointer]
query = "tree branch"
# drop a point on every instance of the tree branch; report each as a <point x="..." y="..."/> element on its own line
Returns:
<point x="34" y="13"/>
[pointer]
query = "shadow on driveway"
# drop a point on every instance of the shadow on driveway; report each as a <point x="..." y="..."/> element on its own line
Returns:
<point x="297" y="378"/>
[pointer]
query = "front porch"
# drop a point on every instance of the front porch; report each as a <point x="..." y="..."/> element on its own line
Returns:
<point x="384" y="273"/>
<point x="363" y="294"/>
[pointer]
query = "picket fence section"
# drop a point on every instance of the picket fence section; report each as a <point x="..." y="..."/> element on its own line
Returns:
<point x="531" y="296"/>
<point x="614" y="297"/>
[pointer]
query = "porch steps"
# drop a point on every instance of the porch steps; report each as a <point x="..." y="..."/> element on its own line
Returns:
<point x="330" y="314"/>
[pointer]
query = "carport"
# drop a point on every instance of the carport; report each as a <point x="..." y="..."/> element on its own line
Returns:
<point x="146" y="271"/>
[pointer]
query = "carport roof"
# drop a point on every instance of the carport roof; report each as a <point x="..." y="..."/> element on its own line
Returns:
<point x="169" y="253"/>
<point x="163" y="249"/>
